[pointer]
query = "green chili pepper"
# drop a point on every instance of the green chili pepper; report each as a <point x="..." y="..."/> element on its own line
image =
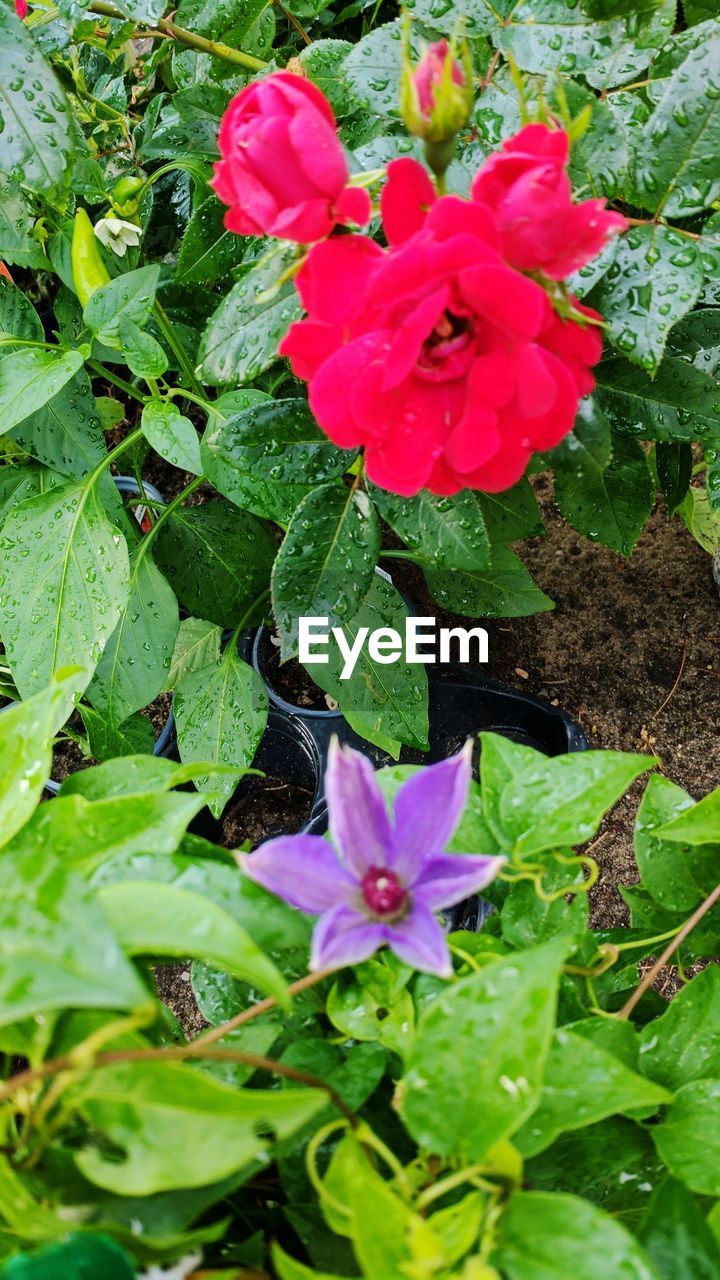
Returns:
<point x="88" y="269"/>
<point x="126" y="194"/>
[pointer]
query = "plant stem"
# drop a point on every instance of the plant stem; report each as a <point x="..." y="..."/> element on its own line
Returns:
<point x="168" y="28"/>
<point x="649" y="977"/>
<point x="101" y="372"/>
<point x="175" y="343"/>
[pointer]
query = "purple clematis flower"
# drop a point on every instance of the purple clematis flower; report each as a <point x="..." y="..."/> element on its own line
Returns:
<point x="387" y="879"/>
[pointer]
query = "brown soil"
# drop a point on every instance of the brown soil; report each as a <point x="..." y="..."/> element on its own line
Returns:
<point x="291" y="681"/>
<point x="68" y="756"/>
<point x="610" y="653"/>
<point x="269" y="807"/>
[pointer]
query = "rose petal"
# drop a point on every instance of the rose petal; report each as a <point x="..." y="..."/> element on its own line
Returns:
<point x="406" y="198"/>
<point x="354" y="205"/>
<point x="302" y="870"/>
<point x="343" y="936"/>
<point x="359" y="823"/>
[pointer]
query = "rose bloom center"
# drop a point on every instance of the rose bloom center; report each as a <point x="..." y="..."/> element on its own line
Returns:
<point x="383" y="894"/>
<point x="449" y="344"/>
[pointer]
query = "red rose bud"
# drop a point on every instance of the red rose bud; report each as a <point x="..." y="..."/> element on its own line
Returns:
<point x="436" y="97"/>
<point x="21" y="8"/>
<point x="283" y="171"/>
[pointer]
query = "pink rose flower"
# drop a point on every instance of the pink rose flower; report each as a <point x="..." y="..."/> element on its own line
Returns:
<point x="429" y="75"/>
<point x="283" y="171"/>
<point x="444" y="362"/>
<point x="526" y="186"/>
<point x="21" y="9"/>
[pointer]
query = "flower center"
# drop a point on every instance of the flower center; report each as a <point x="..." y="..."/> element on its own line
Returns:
<point x="383" y="894"/>
<point x="447" y="350"/>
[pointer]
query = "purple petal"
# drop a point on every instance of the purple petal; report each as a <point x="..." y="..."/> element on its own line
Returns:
<point x="448" y="878"/>
<point x="359" y="824"/>
<point x="303" y="870"/>
<point x="343" y="936"/>
<point x="420" y="942"/>
<point x="428" y="808"/>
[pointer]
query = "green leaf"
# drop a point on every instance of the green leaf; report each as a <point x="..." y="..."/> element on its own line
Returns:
<point x="689" y="1138"/>
<point x="655" y="279"/>
<point x="163" y="920"/>
<point x="612" y="1163"/>
<point x="26" y="733"/>
<point x="527" y="918"/>
<point x="220" y="714"/>
<point x="467" y="1089"/>
<point x="583" y="1084"/>
<point x="242" y="336"/>
<point x="17" y="246"/>
<point x="548" y="35"/>
<point x="323" y="61"/>
<point x="677" y="1237"/>
<point x="391" y="700"/>
<point x="599" y="157"/>
<point x="29" y="378"/>
<point x="698" y="825"/>
<point x="680" y="403"/>
<point x="143" y="354"/>
<point x="676" y="169"/>
<point x="63" y="581"/>
<point x="608" y="501"/>
<point x="136" y="660"/>
<point x="79" y="1258"/>
<point x="84" y="834"/>
<point x="512" y="514"/>
<point x="209" y="251"/>
<point x="58" y="951"/>
<point x="127" y="297"/>
<point x="447" y="532"/>
<point x="561" y="1237"/>
<point x="18" y="317"/>
<point x="372" y="1003"/>
<point x="326" y="562"/>
<point x="217" y="559"/>
<point x="106" y="740"/>
<point x="179" y="1128"/>
<point x="373" y="67"/>
<point x="677" y="874"/>
<point x="683" y="1044"/>
<point x="65" y="433"/>
<point x="290" y="1269"/>
<point x="197" y="645"/>
<point x="277" y="441"/>
<point x="229" y="459"/>
<point x="562" y="800"/>
<point x="172" y="435"/>
<point x="35" y="121"/>
<point x="505" y="590"/>
<point x="674" y="462"/>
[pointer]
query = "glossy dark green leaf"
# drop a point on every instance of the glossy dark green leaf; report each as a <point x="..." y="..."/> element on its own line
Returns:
<point x="326" y="562"/>
<point x="209" y="251"/>
<point x="679" y="403"/>
<point x="229" y="462"/>
<point x="512" y="514"/>
<point x="242" y="336"/>
<point x="653" y="282"/>
<point x="391" y="700"/>
<point x="79" y="1258"/>
<point x="29" y="378"/>
<point x="676" y="169"/>
<point x="106" y="740"/>
<point x="504" y="590"/>
<point x="17" y="246"/>
<point x="476" y="1066"/>
<point x="448" y="532"/>
<point x="65" y="433"/>
<point x="609" y="500"/>
<point x="38" y="139"/>
<point x="674" y="462"/>
<point x="217" y="559"/>
<point x="220" y="714"/>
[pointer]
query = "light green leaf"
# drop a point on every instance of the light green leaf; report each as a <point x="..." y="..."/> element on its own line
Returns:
<point x="26" y="734"/>
<point x="63" y="582"/>
<point x="163" y="920"/>
<point x="127" y="297"/>
<point x="179" y="1128"/>
<point x="464" y="1091"/>
<point x="31" y="377"/>
<point x="676" y="873"/>
<point x="172" y="435"/>
<point x="65" y="433"/>
<point x="561" y="1237"/>
<point x="683" y="1044"/>
<point x="221" y="713"/>
<point x="197" y="645"/>
<point x="35" y="123"/>
<point x="689" y="1138"/>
